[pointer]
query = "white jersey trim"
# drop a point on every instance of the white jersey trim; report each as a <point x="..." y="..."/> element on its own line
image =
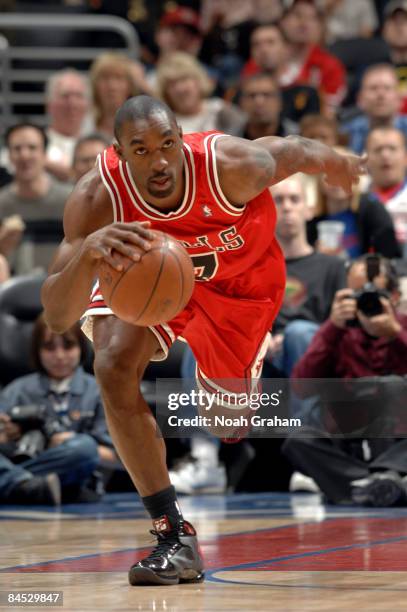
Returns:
<point x="116" y="201"/>
<point x="145" y="209"/>
<point x="216" y="190"/>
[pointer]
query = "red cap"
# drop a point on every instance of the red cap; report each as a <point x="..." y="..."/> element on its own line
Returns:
<point x="182" y="15"/>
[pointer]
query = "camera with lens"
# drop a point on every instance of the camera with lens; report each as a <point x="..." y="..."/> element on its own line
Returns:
<point x="368" y="298"/>
<point x="37" y="426"/>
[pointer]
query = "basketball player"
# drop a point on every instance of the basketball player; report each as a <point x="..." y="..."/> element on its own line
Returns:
<point x="210" y="191"/>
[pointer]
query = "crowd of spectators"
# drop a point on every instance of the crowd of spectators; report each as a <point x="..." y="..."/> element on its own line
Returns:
<point x="331" y="70"/>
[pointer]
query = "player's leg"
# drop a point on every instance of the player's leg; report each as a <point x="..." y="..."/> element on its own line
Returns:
<point x="122" y="352"/>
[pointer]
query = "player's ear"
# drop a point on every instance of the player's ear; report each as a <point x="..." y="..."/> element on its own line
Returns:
<point x="180" y="131"/>
<point x="118" y="149"/>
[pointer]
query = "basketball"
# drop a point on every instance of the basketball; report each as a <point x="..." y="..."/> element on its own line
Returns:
<point x="152" y="290"/>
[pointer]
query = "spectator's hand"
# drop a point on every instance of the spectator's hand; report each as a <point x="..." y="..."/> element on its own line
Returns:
<point x="11" y="431"/>
<point x="343" y="308"/>
<point x="384" y="325"/>
<point x="275" y="344"/>
<point x="345" y="171"/>
<point x="60" y="437"/>
<point x="11" y="233"/>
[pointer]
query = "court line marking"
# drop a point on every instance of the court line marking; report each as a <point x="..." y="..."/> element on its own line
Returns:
<point x="215" y="579"/>
<point x="242" y="566"/>
<point x="208" y="540"/>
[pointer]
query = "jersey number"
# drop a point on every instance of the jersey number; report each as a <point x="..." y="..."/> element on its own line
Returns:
<point x="205" y="266"/>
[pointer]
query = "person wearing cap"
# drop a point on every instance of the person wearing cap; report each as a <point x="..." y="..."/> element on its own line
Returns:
<point x="311" y="64"/>
<point x="394" y="32"/>
<point x="179" y="29"/>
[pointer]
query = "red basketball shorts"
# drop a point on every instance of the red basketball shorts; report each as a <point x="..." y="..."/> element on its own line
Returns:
<point x="227" y="335"/>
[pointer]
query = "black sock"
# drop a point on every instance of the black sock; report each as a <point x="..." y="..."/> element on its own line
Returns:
<point x="163" y="504"/>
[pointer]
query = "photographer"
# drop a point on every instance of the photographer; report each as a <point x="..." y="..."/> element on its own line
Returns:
<point x="364" y="342"/>
<point x="52" y="427"/>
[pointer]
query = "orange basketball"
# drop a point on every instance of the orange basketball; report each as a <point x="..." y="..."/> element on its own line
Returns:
<point x="152" y="290"/>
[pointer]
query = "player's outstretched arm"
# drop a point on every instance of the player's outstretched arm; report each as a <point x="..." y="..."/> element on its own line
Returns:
<point x="90" y="237"/>
<point x="247" y="167"/>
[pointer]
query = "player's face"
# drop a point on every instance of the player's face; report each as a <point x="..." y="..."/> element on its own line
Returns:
<point x="153" y="150"/>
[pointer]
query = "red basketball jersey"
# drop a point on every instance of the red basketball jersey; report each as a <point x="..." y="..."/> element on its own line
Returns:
<point x="233" y="248"/>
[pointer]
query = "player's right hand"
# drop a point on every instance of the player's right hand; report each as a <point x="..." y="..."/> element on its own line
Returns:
<point x="128" y="239"/>
<point x="345" y="171"/>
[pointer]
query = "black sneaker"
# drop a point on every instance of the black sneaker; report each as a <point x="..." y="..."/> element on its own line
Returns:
<point x="175" y="559"/>
<point x="38" y="490"/>
<point x="380" y="489"/>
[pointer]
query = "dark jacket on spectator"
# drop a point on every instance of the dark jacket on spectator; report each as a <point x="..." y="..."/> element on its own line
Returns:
<point x="351" y="353"/>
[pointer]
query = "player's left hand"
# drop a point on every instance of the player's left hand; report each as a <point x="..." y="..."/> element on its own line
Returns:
<point x="345" y="171"/>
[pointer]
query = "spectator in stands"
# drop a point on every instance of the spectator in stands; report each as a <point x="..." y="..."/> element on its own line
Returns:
<point x="179" y="29"/>
<point x="309" y="63"/>
<point x="348" y="19"/>
<point x="67" y="102"/>
<point x="387" y="164"/>
<point x="319" y="127"/>
<point x="114" y="78"/>
<point x="269" y="53"/>
<point x="260" y="99"/>
<point x="34" y="195"/>
<point x="394" y="32"/>
<point x="363" y="470"/>
<point x="379" y="100"/>
<point x="85" y="154"/>
<point x="368" y="227"/>
<point x="71" y="434"/>
<point x="5" y="176"/>
<point x="312" y="278"/>
<point x="227" y="25"/>
<point x="184" y="85"/>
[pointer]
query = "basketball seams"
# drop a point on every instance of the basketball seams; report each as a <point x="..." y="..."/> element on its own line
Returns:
<point x="154" y="287"/>
<point x="155" y="275"/>
<point x="175" y="256"/>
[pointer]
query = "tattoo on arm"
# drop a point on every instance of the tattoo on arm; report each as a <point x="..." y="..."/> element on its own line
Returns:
<point x="266" y="167"/>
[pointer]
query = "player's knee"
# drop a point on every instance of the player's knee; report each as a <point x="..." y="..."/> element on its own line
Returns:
<point x="114" y="370"/>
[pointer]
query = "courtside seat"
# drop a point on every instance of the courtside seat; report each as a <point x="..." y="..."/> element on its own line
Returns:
<point x="20" y="304"/>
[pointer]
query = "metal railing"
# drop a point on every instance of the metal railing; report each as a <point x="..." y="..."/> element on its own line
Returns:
<point x="21" y="85"/>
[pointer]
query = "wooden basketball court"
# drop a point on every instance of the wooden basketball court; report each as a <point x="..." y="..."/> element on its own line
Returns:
<point x="262" y="551"/>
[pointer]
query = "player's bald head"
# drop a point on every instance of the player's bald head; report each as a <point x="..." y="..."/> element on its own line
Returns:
<point x="141" y="107"/>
